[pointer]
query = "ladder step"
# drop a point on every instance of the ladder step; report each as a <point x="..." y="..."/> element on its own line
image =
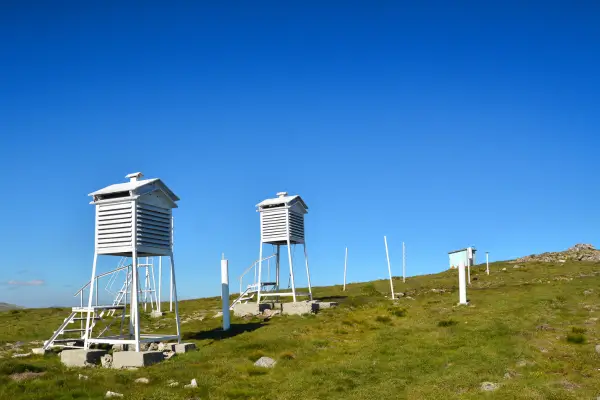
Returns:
<point x="73" y="330"/>
<point x="84" y="319"/>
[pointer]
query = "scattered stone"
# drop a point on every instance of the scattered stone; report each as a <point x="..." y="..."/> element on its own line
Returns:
<point x="399" y="294"/>
<point x="588" y="292"/>
<point x="23" y="376"/>
<point x="598" y="348"/>
<point x="21" y="355"/>
<point x="142" y="380"/>
<point x="503" y="269"/>
<point x="153" y="347"/>
<point x="83" y="377"/>
<point x="119" y="347"/>
<point x="591" y="321"/>
<point x="265" y="362"/>
<point x="168" y="354"/>
<point x="106" y="361"/>
<point x="489" y="386"/>
<point x="143" y="347"/>
<point x="517" y="266"/>
<point x="543" y="350"/>
<point x="110" y="395"/>
<point x="523" y="363"/>
<point x="219" y="314"/>
<point x="164" y="346"/>
<point x="193" y="384"/>
<point x="156" y="314"/>
<point x="544" y="327"/>
<point x="173" y="384"/>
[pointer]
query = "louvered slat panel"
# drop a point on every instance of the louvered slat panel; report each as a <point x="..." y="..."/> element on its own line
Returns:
<point x="153" y="226"/>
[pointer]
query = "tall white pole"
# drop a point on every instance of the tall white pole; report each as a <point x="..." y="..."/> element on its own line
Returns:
<point x="462" y="287"/>
<point x="159" y="283"/>
<point x="171" y="275"/>
<point x="225" y="292"/>
<point x="469" y="271"/>
<point x="387" y="254"/>
<point x="487" y="262"/>
<point x="403" y="263"/>
<point x="345" y="268"/>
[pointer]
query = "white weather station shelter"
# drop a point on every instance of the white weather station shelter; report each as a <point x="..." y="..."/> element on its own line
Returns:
<point x="134" y="222"/>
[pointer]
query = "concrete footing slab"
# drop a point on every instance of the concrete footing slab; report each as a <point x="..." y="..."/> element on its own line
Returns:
<point x="181" y="348"/>
<point x="156" y="314"/>
<point x="326" y="304"/>
<point x="300" y="308"/>
<point x="81" y="357"/>
<point x="134" y="359"/>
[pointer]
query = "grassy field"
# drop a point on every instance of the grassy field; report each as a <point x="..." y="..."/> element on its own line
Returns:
<point x="531" y="330"/>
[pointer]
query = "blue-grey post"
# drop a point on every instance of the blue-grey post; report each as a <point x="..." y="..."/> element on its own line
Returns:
<point x="225" y="292"/>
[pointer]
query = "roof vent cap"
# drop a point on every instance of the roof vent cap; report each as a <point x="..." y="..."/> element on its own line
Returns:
<point x="282" y="194"/>
<point x="134" y="177"/>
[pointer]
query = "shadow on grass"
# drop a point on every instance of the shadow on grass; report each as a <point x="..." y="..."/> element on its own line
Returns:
<point x="219" y="333"/>
<point x="331" y="298"/>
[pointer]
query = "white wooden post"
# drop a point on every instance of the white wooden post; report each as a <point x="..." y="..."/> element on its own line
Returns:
<point x="307" y="272"/>
<point x="462" y="287"/>
<point x="174" y="286"/>
<point x="225" y="292"/>
<point x="159" y="283"/>
<point x="171" y="278"/>
<point x="403" y="263"/>
<point x="469" y="271"/>
<point x="387" y="254"/>
<point x="487" y="262"/>
<point x="345" y="268"/>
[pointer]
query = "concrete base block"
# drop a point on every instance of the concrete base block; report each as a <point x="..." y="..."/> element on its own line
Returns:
<point x="250" y="309"/>
<point x="326" y="304"/>
<point x="181" y="348"/>
<point x="41" y="351"/>
<point x="299" y="308"/>
<point x="156" y="314"/>
<point x="81" y="357"/>
<point x="133" y="359"/>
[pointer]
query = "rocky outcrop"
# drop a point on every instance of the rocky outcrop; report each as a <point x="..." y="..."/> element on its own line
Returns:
<point x="579" y="252"/>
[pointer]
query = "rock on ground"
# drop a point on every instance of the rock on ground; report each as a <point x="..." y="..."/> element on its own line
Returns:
<point x="83" y="377"/>
<point x="489" y="386"/>
<point x="142" y="380"/>
<point x="21" y="355"/>
<point x="106" y="360"/>
<point x="265" y="362"/>
<point x="110" y="395"/>
<point x="193" y="384"/>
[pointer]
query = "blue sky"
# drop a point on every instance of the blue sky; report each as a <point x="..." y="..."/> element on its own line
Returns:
<point x="441" y="126"/>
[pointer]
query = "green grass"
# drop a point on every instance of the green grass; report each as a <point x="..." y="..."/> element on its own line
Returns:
<point x="532" y="330"/>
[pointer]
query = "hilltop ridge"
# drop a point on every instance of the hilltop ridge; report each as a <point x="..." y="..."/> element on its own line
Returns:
<point x="579" y="252"/>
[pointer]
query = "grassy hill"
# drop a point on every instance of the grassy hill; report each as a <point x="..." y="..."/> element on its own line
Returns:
<point x="531" y="329"/>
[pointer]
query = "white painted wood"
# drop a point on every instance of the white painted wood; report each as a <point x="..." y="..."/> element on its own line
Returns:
<point x="462" y="287"/>
<point x="177" y="320"/>
<point x="225" y="293"/>
<point x="387" y="254"/>
<point x="487" y="262"/>
<point x="345" y="268"/>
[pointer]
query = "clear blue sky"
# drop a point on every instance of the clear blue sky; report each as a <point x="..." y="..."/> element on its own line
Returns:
<point x="441" y="126"/>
